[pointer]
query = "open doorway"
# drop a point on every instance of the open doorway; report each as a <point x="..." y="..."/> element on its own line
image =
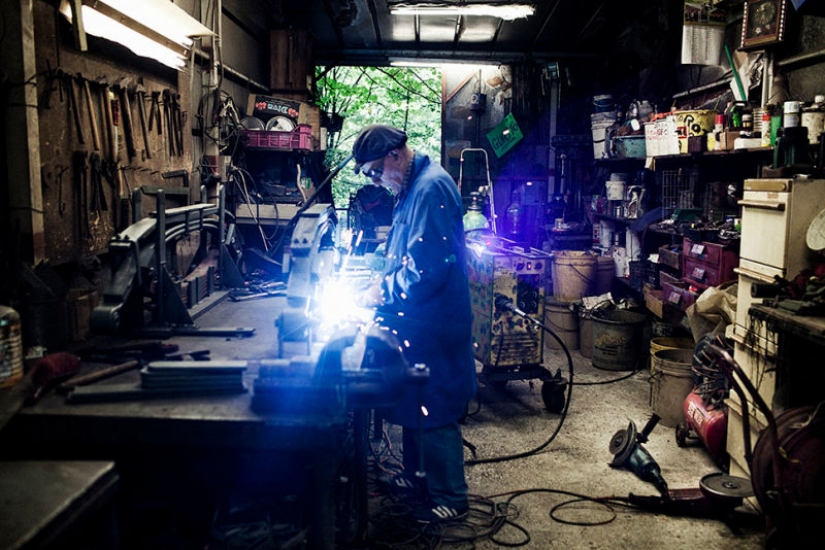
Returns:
<point x="354" y="97"/>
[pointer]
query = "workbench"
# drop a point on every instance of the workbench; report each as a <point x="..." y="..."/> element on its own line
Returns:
<point x="58" y="504"/>
<point x="800" y="378"/>
<point x="208" y="447"/>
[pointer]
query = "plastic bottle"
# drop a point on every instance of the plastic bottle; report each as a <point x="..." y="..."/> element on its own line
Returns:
<point x="11" y="347"/>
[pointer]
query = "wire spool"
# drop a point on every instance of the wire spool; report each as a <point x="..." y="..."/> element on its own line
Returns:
<point x="795" y="502"/>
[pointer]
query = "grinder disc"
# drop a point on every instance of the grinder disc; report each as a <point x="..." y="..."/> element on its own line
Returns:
<point x="725" y="487"/>
<point x="622" y="444"/>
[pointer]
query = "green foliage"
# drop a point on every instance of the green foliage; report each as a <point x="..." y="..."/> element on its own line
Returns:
<point x="406" y="98"/>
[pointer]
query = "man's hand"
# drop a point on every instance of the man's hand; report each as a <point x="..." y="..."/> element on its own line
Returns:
<point x="373" y="296"/>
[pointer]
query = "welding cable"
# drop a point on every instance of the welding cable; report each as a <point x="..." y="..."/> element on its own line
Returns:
<point x="504" y="303"/>
<point x="612" y="380"/>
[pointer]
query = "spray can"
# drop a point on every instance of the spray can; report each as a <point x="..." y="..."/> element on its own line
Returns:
<point x="11" y="347"/>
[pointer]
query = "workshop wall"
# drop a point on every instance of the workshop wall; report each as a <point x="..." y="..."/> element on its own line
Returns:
<point x="92" y="160"/>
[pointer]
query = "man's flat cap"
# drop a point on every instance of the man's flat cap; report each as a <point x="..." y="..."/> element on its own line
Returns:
<point x="375" y="141"/>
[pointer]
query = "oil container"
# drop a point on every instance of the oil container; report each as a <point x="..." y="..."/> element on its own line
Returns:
<point x="11" y="347"/>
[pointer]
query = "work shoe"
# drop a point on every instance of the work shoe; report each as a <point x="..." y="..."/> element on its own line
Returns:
<point x="439" y="513"/>
<point x="402" y="484"/>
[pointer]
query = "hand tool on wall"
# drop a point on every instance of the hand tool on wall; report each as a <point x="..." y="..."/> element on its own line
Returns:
<point x="154" y="112"/>
<point x="140" y="97"/>
<point x="68" y="83"/>
<point x="167" y="117"/>
<point x="80" y="176"/>
<point x="98" y="195"/>
<point x="92" y="116"/>
<point x="126" y="115"/>
<point x="178" y="124"/>
<point x="108" y="121"/>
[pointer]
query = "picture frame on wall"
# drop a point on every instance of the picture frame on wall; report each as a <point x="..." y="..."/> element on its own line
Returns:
<point x="763" y="23"/>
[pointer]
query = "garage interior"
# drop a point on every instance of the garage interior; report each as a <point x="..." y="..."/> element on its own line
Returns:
<point x="647" y="177"/>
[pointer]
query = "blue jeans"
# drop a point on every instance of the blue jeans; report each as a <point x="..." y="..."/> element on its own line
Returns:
<point x="442" y="454"/>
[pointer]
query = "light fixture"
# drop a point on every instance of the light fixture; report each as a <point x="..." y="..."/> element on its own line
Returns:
<point x="157" y="29"/>
<point x="507" y="11"/>
<point x="438" y="63"/>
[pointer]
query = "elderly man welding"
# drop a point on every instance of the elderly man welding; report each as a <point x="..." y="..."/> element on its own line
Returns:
<point x="424" y="296"/>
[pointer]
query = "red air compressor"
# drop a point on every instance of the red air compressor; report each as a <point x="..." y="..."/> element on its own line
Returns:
<point x="705" y="411"/>
<point x="707" y="423"/>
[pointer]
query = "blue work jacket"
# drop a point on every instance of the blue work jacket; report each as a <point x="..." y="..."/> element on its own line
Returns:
<point x="427" y="297"/>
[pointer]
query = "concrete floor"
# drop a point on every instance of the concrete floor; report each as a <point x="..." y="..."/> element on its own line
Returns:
<point x="513" y="421"/>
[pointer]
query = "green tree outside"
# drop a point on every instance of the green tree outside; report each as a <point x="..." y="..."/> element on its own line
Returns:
<point x="408" y="98"/>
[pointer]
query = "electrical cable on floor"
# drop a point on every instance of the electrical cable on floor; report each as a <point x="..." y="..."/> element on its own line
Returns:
<point x="611" y="381"/>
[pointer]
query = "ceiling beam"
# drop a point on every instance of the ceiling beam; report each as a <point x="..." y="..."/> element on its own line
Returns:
<point x="331" y="15"/>
<point x="377" y="58"/>
<point x="375" y="27"/>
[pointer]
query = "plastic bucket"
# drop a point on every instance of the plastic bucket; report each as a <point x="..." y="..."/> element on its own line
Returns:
<point x="599" y="124"/>
<point x="617" y="339"/>
<point x="670" y="384"/>
<point x="585" y="333"/>
<point x="561" y="318"/>
<point x="669" y="342"/>
<point x="605" y="273"/>
<point x="696" y="123"/>
<point x="573" y="275"/>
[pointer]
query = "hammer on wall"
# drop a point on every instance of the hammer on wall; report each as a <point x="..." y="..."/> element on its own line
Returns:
<point x="140" y="96"/>
<point x="126" y="115"/>
<point x="92" y="116"/>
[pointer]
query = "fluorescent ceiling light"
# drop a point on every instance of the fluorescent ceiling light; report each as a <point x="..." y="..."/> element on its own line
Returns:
<point x="507" y="12"/>
<point x="438" y="63"/>
<point x="157" y="29"/>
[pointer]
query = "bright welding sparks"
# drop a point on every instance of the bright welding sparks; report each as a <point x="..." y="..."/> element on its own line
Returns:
<point x="424" y="411"/>
<point x="339" y="304"/>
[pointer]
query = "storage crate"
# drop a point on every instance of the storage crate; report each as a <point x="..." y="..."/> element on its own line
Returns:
<point x="299" y="138"/>
<point x="671" y="256"/>
<point x="678" y="294"/>
<point x="637" y="274"/>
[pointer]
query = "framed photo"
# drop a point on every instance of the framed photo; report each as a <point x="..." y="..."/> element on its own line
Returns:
<point x="763" y="23"/>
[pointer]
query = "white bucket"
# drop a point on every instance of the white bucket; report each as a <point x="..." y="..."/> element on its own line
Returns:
<point x="605" y="233"/>
<point x="633" y="246"/>
<point x="620" y="261"/>
<point x="599" y="123"/>
<point x="615" y="190"/>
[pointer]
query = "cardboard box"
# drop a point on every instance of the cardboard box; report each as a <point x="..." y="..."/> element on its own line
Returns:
<point x="654" y="300"/>
<point x="727" y="139"/>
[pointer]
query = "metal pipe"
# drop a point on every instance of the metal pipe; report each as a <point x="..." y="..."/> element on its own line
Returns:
<point x="234" y="74"/>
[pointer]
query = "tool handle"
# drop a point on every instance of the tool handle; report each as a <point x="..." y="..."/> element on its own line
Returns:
<point x="128" y="127"/>
<point x="92" y="116"/>
<point x="98" y="375"/>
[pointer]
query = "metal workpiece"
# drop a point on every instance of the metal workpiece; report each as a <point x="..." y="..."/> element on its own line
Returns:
<point x="139" y="268"/>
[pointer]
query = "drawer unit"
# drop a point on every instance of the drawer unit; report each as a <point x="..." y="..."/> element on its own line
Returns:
<point x="708" y="264"/>
<point x="677" y="293"/>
